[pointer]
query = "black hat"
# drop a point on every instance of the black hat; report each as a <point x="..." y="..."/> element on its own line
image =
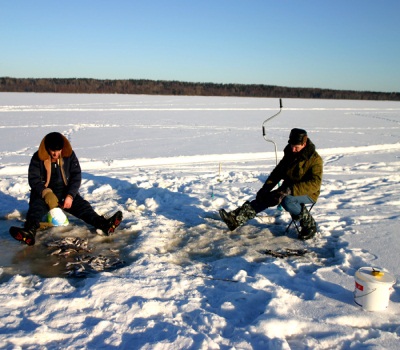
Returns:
<point x="54" y="141"/>
<point x="297" y="136"/>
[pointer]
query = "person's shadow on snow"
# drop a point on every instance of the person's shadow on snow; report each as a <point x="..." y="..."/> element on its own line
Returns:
<point x="12" y="211"/>
<point x="174" y="205"/>
<point x="8" y="204"/>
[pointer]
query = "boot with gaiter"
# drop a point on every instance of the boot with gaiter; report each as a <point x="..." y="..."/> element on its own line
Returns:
<point x="108" y="226"/>
<point x="25" y="234"/>
<point x="307" y="224"/>
<point x="238" y="217"/>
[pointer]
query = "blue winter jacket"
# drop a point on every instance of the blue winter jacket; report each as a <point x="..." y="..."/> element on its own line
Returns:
<point x="39" y="172"/>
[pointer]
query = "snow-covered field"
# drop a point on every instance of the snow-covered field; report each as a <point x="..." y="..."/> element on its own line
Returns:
<point x="169" y="163"/>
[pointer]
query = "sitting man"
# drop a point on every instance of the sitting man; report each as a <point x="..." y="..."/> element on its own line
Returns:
<point x="54" y="176"/>
<point x="301" y="171"/>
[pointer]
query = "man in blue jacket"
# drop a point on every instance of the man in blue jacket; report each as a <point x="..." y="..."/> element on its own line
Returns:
<point x="55" y="176"/>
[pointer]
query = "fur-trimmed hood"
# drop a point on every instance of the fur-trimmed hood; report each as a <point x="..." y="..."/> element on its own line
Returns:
<point x="45" y="157"/>
<point x="65" y="152"/>
<point x="39" y="172"/>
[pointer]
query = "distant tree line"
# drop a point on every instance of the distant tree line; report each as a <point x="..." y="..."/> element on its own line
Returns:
<point x="160" y="87"/>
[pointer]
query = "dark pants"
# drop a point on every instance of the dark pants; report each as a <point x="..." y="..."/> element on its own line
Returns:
<point x="265" y="200"/>
<point x="80" y="208"/>
<point x="292" y="204"/>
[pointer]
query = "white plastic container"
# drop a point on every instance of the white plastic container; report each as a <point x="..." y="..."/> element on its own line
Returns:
<point x="372" y="288"/>
<point x="57" y="217"/>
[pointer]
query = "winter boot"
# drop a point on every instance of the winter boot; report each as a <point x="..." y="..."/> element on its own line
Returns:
<point x="237" y="217"/>
<point x="108" y="226"/>
<point x="307" y="223"/>
<point x="25" y="234"/>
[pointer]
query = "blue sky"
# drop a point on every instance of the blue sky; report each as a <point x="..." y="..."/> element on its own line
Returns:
<point x="337" y="44"/>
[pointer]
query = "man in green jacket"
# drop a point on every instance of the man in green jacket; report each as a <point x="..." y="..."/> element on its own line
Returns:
<point x="301" y="171"/>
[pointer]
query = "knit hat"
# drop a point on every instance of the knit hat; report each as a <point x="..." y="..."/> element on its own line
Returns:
<point x="54" y="141"/>
<point x="297" y="136"/>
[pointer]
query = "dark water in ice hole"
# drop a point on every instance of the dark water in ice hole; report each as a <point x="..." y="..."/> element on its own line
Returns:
<point x="195" y="245"/>
<point x="19" y="259"/>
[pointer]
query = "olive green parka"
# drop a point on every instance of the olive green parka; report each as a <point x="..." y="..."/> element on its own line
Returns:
<point x="301" y="172"/>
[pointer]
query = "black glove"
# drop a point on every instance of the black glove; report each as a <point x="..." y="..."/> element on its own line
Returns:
<point x="284" y="190"/>
<point x="283" y="193"/>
